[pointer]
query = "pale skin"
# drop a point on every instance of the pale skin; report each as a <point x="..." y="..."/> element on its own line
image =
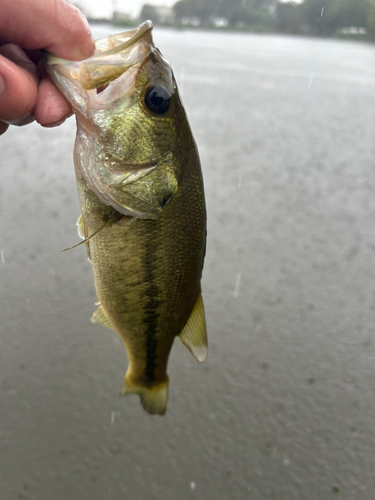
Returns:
<point x="26" y="26"/>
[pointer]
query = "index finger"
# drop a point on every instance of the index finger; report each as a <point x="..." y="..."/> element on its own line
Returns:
<point x="54" y="25"/>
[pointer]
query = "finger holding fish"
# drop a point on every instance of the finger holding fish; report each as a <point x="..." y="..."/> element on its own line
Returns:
<point x="25" y="27"/>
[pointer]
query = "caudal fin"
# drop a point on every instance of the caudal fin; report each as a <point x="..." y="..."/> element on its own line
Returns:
<point x="153" y="398"/>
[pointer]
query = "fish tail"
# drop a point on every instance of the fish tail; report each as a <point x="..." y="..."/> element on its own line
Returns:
<point x="153" y="398"/>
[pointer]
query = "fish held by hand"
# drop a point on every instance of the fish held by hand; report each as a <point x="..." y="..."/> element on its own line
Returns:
<point x="135" y="154"/>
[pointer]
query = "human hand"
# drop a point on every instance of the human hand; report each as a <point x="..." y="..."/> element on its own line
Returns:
<point x="26" y="26"/>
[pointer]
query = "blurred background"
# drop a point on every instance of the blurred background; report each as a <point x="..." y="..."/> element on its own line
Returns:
<point x="284" y="407"/>
<point x="341" y="18"/>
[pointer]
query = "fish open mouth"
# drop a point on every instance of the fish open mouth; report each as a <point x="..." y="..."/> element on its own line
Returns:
<point x="102" y="89"/>
<point x="122" y="41"/>
<point x="114" y="55"/>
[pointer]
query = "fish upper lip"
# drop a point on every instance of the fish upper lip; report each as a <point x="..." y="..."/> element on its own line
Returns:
<point x="135" y="37"/>
<point x="94" y="71"/>
<point x="138" y="34"/>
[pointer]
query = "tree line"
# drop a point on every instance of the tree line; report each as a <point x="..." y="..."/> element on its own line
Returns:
<point x="314" y="17"/>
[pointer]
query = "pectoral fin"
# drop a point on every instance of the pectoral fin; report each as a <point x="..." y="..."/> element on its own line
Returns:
<point x="101" y="318"/>
<point x="83" y="233"/>
<point x="194" y="335"/>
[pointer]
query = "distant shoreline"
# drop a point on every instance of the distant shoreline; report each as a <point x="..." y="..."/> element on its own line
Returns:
<point x="233" y="29"/>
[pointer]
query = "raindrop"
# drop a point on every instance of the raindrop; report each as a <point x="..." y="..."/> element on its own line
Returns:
<point x="237" y="286"/>
<point x="182" y="79"/>
<point x="311" y="80"/>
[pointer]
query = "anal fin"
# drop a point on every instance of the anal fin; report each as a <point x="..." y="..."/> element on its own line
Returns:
<point x="194" y="335"/>
<point x="101" y="318"/>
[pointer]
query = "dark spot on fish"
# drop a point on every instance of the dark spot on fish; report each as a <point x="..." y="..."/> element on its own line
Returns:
<point x="165" y="200"/>
<point x="311" y="380"/>
<point x="335" y="489"/>
<point x="151" y="320"/>
<point x="265" y="366"/>
<point x="151" y="308"/>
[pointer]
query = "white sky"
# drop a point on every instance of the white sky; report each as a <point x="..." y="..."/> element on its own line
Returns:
<point x="100" y="8"/>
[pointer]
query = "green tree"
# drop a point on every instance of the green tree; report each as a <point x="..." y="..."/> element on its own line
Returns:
<point x="288" y="17"/>
<point x="341" y="13"/>
<point x="370" y="21"/>
<point x="325" y="17"/>
<point x="183" y="8"/>
<point x="201" y="9"/>
<point x="206" y="9"/>
<point x="258" y="19"/>
<point x="243" y="15"/>
<point x="149" y="12"/>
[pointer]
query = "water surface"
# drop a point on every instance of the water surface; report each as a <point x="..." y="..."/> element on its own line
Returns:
<point x="283" y="408"/>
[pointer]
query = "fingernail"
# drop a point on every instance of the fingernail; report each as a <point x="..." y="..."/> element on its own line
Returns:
<point x="2" y="86"/>
<point x="55" y="124"/>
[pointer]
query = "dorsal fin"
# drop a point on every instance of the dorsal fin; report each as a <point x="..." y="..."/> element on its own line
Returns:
<point x="194" y="335"/>
<point x="101" y="318"/>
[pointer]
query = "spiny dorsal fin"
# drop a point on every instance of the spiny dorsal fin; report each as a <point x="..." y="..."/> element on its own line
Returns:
<point x="100" y="318"/>
<point x="194" y="335"/>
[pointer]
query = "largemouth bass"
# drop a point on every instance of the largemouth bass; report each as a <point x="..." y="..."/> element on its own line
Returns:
<point x="141" y="194"/>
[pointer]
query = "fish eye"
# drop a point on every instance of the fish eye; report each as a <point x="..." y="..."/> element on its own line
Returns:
<point x="157" y="99"/>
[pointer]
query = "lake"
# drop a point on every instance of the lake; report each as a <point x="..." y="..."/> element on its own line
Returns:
<point x="284" y="407"/>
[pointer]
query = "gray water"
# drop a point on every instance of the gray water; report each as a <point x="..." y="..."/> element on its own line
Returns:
<point x="284" y="406"/>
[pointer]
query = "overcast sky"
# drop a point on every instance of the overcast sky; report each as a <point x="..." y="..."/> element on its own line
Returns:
<point x="100" y="8"/>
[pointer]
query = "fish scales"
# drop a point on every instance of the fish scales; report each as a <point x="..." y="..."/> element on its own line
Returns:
<point x="147" y="256"/>
<point x="144" y="269"/>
